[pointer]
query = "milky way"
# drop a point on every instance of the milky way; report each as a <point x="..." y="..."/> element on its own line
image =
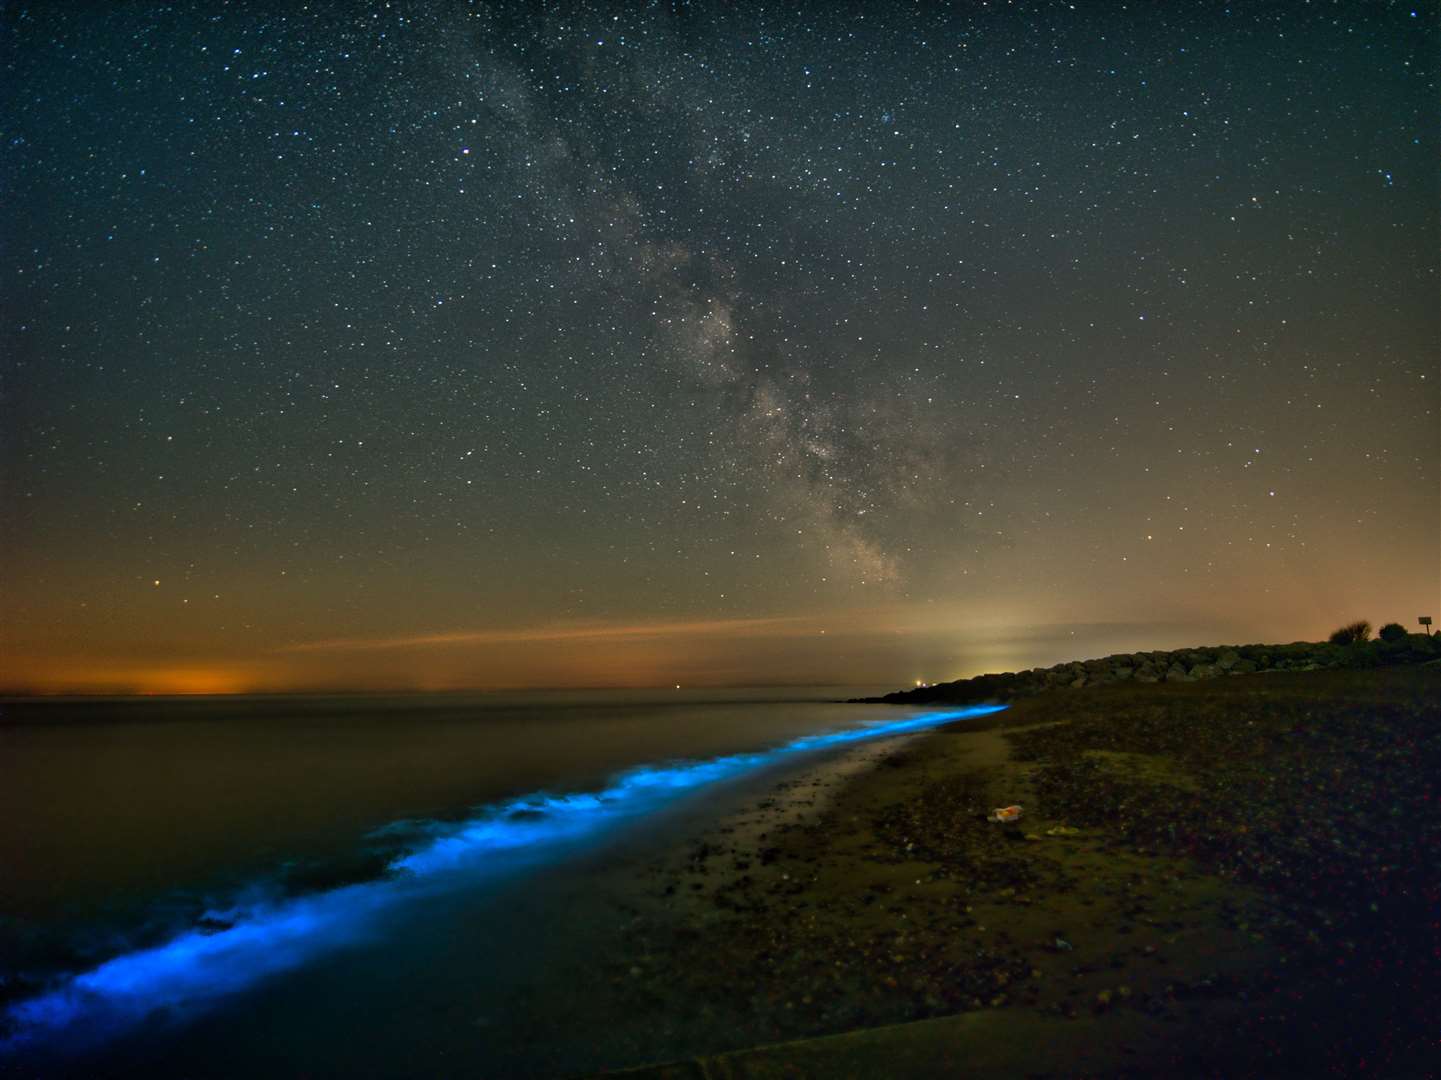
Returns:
<point x="968" y="336"/>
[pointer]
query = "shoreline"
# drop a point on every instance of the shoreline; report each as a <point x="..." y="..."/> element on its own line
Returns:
<point x="1155" y="907"/>
<point x="1188" y="891"/>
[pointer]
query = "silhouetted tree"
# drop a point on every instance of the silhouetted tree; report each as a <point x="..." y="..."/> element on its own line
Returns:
<point x="1392" y="631"/>
<point x="1352" y="634"/>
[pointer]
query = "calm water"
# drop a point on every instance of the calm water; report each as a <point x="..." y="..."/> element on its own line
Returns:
<point x="226" y="886"/>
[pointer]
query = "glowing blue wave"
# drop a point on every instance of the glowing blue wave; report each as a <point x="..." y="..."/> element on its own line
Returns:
<point x="263" y="939"/>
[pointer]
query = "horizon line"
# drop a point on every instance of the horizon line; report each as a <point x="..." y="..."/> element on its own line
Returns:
<point x="10" y="693"/>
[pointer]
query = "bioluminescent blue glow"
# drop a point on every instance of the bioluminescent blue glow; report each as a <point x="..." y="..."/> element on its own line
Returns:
<point x="263" y="939"/>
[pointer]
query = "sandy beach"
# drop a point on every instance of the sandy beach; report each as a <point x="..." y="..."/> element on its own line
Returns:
<point x="1204" y="879"/>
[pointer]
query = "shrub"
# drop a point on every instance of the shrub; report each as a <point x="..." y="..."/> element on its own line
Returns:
<point x="1392" y="631"/>
<point x="1353" y="634"/>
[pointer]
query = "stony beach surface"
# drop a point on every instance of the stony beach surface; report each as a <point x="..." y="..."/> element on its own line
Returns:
<point x="1236" y="874"/>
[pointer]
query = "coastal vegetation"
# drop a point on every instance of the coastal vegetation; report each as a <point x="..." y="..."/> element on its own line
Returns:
<point x="1348" y="648"/>
<point x="1352" y="633"/>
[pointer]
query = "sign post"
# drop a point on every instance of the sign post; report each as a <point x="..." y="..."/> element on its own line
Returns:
<point x="1425" y="620"/>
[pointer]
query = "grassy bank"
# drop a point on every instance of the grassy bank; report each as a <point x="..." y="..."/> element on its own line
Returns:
<point x="1240" y="873"/>
<point x="1177" y="666"/>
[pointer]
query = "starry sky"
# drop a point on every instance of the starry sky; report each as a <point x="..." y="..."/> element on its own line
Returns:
<point x="445" y="345"/>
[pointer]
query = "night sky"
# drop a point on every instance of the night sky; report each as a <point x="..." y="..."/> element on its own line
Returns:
<point x="440" y="345"/>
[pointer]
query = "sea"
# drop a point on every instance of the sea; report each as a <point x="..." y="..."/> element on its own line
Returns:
<point x="359" y="885"/>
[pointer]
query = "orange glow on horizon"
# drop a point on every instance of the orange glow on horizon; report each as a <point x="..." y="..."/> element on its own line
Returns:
<point x="145" y="681"/>
<point x="884" y="645"/>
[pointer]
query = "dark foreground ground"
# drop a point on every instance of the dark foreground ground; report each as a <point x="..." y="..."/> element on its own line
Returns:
<point x="1237" y="877"/>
